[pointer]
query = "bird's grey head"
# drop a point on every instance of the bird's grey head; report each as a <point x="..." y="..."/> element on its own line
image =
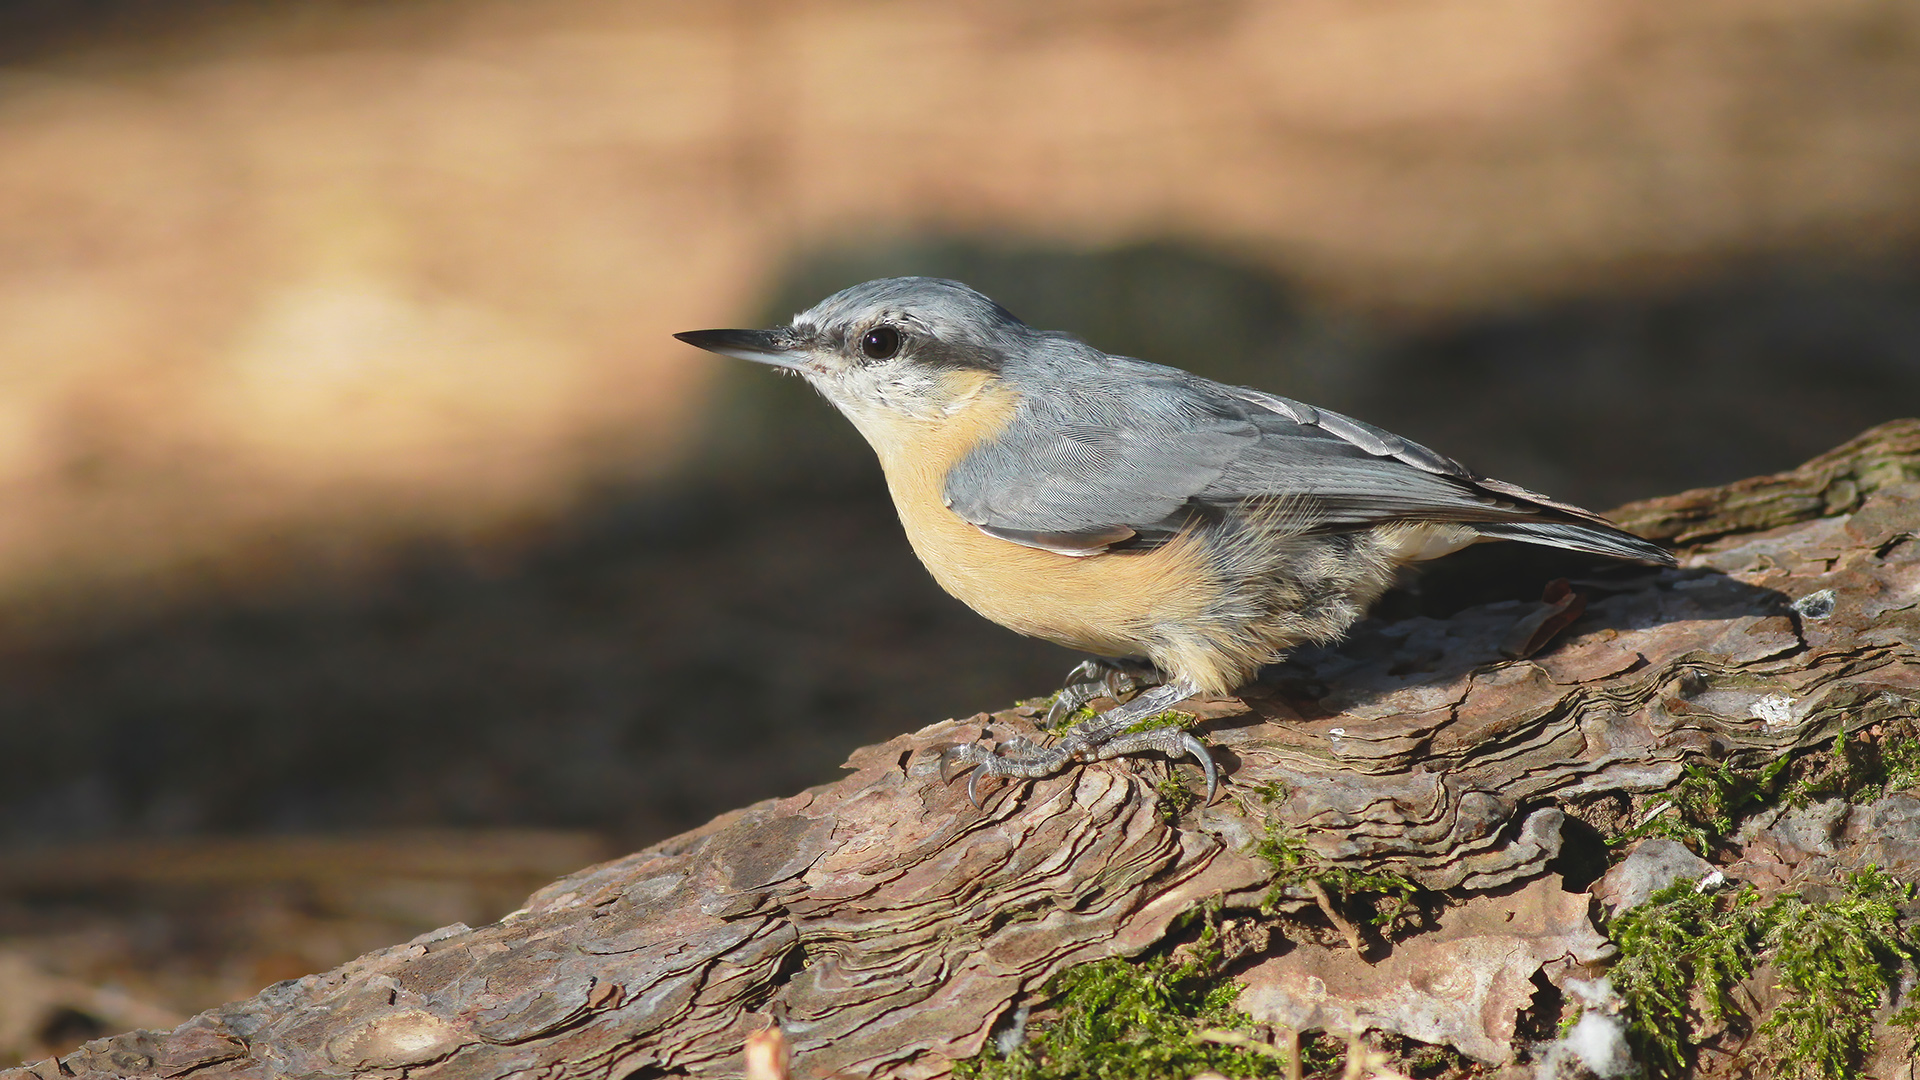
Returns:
<point x="911" y="345"/>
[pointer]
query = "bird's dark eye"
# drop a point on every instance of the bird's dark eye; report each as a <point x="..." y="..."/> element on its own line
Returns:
<point x="880" y="343"/>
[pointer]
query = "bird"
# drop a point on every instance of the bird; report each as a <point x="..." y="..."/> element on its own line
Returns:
<point x="1183" y="532"/>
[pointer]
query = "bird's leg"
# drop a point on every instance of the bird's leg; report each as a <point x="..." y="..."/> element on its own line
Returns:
<point x="1111" y="734"/>
<point x="1098" y="678"/>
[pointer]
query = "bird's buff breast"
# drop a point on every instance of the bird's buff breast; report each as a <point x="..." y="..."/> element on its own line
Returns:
<point x="1110" y="605"/>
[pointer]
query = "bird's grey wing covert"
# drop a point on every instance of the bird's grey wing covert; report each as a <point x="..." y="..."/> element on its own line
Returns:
<point x="1146" y="448"/>
<point x="1084" y="467"/>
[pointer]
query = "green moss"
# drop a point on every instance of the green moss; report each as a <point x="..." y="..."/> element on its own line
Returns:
<point x="1900" y="761"/>
<point x="1837" y="961"/>
<point x="1682" y="953"/>
<point x="1283" y="851"/>
<point x="1139" y="1020"/>
<point x="1677" y="947"/>
<point x="1295" y="864"/>
<point x="1709" y="800"/>
<point x="1860" y="767"/>
<point x="1908" y="1020"/>
<point x="1077" y="716"/>
<point x="1846" y="768"/>
<point x="1173" y="798"/>
<point x="1273" y="791"/>
<point x="1171" y="718"/>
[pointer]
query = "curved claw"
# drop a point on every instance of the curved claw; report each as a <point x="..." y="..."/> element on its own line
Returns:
<point x="1092" y="679"/>
<point x="1067" y="702"/>
<point x="1193" y="746"/>
<point x="950" y="754"/>
<point x="969" y="759"/>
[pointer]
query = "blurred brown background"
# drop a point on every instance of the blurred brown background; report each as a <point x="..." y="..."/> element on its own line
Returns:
<point x="352" y="482"/>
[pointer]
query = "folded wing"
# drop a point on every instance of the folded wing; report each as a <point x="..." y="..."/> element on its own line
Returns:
<point x="1148" y="451"/>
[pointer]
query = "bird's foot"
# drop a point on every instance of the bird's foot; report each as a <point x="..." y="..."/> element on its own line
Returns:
<point x="1095" y="679"/>
<point x="1114" y="733"/>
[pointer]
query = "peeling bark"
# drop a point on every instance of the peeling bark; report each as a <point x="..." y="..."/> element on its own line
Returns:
<point x="886" y="924"/>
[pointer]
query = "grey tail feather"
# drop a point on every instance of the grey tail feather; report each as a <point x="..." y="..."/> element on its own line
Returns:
<point x="1596" y="539"/>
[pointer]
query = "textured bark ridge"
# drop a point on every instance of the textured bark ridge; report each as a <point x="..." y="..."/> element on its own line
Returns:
<point x="887" y="924"/>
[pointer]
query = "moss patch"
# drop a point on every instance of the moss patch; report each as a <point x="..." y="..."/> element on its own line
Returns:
<point x="1836" y="961"/>
<point x="1139" y="1020"/>
<point x="1388" y="896"/>
<point x="1707" y="802"/>
<point x="1679" y="947"/>
<point x="1712" y="797"/>
<point x="1861" y="767"/>
<point x="1067" y="722"/>
<point x="1170" y="718"/>
<point x="1173" y="798"/>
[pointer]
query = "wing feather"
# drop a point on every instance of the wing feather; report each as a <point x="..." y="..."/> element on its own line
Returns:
<point x="1145" y="450"/>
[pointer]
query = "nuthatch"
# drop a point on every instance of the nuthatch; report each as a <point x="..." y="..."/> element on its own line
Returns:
<point x="1131" y="510"/>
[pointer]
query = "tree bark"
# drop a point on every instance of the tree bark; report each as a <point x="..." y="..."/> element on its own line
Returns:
<point x="886" y="924"/>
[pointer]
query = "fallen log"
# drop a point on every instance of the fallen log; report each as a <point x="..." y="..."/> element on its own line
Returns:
<point x="887" y="926"/>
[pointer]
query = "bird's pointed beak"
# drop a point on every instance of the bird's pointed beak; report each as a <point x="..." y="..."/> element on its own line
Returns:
<point x="775" y="347"/>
